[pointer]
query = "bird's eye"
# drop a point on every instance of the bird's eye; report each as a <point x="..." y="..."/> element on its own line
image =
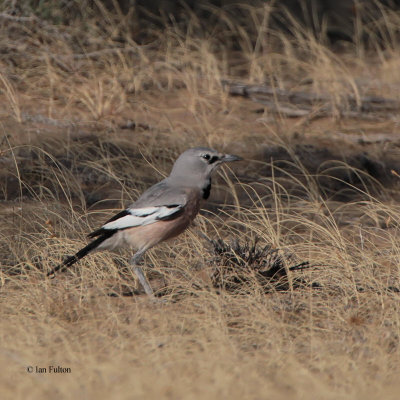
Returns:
<point x="206" y="156"/>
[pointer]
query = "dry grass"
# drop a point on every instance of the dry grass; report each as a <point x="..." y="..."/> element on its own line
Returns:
<point x="88" y="123"/>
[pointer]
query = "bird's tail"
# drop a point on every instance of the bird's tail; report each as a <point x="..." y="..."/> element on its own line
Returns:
<point x="80" y="254"/>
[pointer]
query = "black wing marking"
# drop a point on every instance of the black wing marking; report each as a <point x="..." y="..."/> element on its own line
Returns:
<point x="100" y="231"/>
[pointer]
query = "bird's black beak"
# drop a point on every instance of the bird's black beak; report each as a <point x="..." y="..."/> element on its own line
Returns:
<point x="230" y="157"/>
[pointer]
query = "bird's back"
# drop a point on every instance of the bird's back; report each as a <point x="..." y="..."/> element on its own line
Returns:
<point x="163" y="193"/>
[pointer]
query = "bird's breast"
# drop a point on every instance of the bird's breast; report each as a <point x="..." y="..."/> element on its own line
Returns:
<point x="144" y="237"/>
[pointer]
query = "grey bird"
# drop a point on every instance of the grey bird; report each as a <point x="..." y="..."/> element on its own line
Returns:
<point x="162" y="212"/>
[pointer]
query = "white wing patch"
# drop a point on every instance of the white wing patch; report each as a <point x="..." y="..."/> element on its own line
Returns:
<point x="142" y="216"/>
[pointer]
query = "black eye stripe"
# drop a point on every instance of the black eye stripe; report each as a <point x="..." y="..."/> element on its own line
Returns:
<point x="213" y="159"/>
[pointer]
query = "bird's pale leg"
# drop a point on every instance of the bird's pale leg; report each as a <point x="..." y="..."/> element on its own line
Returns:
<point x="134" y="261"/>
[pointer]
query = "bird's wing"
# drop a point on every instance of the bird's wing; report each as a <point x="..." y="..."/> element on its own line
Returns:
<point x="161" y="194"/>
<point x="159" y="203"/>
<point x="144" y="216"/>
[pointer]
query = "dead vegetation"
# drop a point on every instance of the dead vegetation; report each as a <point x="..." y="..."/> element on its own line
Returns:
<point x="294" y="294"/>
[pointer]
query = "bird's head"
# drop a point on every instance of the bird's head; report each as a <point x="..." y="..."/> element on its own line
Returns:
<point x="199" y="163"/>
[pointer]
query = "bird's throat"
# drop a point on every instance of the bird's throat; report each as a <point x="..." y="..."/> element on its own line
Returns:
<point x="206" y="190"/>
